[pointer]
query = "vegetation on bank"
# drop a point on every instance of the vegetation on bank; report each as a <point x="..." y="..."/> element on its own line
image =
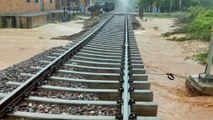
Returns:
<point x="1" y="24"/>
<point x="196" y="26"/>
<point x="194" y="19"/>
<point x="166" y="15"/>
<point x="168" y="6"/>
<point x="202" y="57"/>
<point x="200" y="27"/>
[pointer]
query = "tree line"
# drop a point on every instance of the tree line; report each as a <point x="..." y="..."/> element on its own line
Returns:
<point x="173" y="5"/>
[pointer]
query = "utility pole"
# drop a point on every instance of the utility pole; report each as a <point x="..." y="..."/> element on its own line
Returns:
<point x="202" y="83"/>
<point x="209" y="65"/>
<point x="141" y="12"/>
<point x="171" y="3"/>
<point x="180" y="4"/>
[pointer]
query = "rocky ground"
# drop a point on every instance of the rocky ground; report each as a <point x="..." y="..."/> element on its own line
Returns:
<point x="161" y="56"/>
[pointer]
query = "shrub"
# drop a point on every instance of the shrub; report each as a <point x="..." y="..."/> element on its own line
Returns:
<point x="1" y="24"/>
<point x="200" y="28"/>
<point x="202" y="57"/>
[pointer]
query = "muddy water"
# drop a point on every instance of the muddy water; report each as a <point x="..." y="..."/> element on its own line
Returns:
<point x="17" y="45"/>
<point x="161" y="56"/>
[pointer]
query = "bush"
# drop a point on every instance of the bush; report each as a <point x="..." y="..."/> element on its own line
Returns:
<point x="198" y="23"/>
<point x="184" y="19"/>
<point x="181" y="39"/>
<point x="202" y="57"/>
<point x="195" y="11"/>
<point x="1" y="24"/>
<point x="200" y="28"/>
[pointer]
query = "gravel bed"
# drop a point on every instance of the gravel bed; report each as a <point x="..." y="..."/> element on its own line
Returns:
<point x="13" y="73"/>
<point x="66" y="109"/>
<point x="65" y="84"/>
<point x="87" y="25"/>
<point x="67" y="68"/>
<point x="67" y="75"/>
<point x="6" y="88"/>
<point x="136" y="24"/>
<point x="64" y="95"/>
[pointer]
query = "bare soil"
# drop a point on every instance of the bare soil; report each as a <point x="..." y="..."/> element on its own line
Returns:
<point x="17" y="45"/>
<point x="162" y="56"/>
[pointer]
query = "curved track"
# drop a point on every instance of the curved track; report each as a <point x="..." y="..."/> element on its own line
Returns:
<point x="100" y="76"/>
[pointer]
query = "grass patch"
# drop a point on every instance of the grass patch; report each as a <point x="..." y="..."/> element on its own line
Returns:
<point x="200" y="27"/>
<point x="202" y="57"/>
<point x="156" y="28"/>
<point x="196" y="24"/>
<point x="75" y="17"/>
<point x="1" y="24"/>
<point x="180" y="39"/>
<point x="167" y="34"/>
<point x="166" y="15"/>
<point x="181" y="30"/>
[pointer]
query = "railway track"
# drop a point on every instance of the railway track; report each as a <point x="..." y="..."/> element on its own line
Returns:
<point x="100" y="76"/>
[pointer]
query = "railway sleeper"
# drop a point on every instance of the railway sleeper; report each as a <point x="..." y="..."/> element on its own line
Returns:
<point x="139" y="108"/>
<point x="110" y="76"/>
<point x="110" y="45"/>
<point x="108" y="42"/>
<point x="45" y="116"/>
<point x="98" y="52"/>
<point x="99" y="55"/>
<point x="102" y="50"/>
<point x="98" y="84"/>
<point x="80" y="57"/>
<point x="103" y="94"/>
<point x="102" y="64"/>
<point x="101" y="47"/>
<point x="97" y="76"/>
<point x="84" y="68"/>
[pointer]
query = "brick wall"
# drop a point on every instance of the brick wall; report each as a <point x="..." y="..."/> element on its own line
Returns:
<point x="22" y="6"/>
<point x="49" y="5"/>
<point x="58" y="4"/>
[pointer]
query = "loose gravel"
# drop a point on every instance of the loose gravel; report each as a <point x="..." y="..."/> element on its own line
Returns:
<point x="13" y="73"/>
<point x="64" y="95"/>
<point x="66" y="109"/>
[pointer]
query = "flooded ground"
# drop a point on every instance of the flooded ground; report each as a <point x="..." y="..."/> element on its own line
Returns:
<point x="17" y="45"/>
<point x="159" y="56"/>
<point x="162" y="56"/>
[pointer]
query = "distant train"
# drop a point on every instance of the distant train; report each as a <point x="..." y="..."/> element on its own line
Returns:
<point x="107" y="7"/>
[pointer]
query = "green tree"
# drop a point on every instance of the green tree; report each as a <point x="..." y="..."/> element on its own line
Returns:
<point x="175" y="5"/>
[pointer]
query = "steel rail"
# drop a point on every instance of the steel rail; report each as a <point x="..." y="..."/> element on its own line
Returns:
<point x="126" y="95"/>
<point x="10" y="100"/>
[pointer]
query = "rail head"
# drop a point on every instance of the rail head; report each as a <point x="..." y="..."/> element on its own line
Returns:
<point x="125" y="98"/>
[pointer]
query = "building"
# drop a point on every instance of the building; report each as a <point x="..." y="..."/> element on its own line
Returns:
<point x="77" y="5"/>
<point x="28" y="13"/>
<point x="26" y="6"/>
<point x="67" y="3"/>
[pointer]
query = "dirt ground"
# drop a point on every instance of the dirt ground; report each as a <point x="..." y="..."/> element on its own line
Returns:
<point x="17" y="45"/>
<point x="163" y="56"/>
